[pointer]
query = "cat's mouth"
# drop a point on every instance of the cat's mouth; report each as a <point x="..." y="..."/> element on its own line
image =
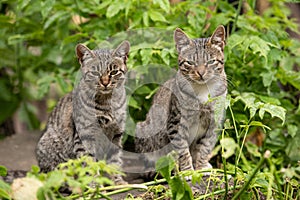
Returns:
<point x="103" y="89"/>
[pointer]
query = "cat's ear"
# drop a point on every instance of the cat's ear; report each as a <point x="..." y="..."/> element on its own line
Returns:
<point x="218" y="38"/>
<point x="122" y="50"/>
<point x="182" y="41"/>
<point x="81" y="51"/>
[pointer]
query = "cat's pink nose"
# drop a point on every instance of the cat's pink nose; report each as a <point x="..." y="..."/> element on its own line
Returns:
<point x="104" y="80"/>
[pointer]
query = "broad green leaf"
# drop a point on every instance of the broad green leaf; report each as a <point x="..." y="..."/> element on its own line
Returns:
<point x="23" y="3"/>
<point x="146" y="55"/>
<point x="44" y="85"/>
<point x="275" y="111"/>
<point x="3" y="171"/>
<point x="165" y="165"/>
<point x="268" y="78"/>
<point x="156" y="16"/>
<point x="4" y="194"/>
<point x="229" y="145"/>
<point x="35" y="169"/>
<point x="165" y="56"/>
<point x="63" y="84"/>
<point x="293" y="148"/>
<point x="146" y="19"/>
<point x="133" y="103"/>
<point x="74" y="38"/>
<point x="4" y="190"/>
<point x="292" y="130"/>
<point x="114" y="8"/>
<point x="235" y="40"/>
<point x="54" y="18"/>
<point x="41" y="194"/>
<point x="46" y="7"/>
<point x="269" y="99"/>
<point x="164" y="4"/>
<point x="55" y="179"/>
<point x="180" y="189"/>
<point x="253" y="149"/>
<point x="259" y="124"/>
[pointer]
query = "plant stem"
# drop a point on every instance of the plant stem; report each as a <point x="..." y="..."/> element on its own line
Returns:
<point x="259" y="165"/>
<point x="225" y="170"/>
<point x="215" y="193"/>
<point x="238" y="139"/>
<point x="271" y="180"/>
<point x="237" y="15"/>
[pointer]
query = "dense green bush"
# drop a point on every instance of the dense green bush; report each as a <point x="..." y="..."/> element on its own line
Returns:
<point x="262" y="62"/>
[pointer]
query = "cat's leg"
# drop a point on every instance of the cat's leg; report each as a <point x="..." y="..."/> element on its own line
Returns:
<point x="179" y="140"/>
<point x="50" y="151"/>
<point x="203" y="147"/>
<point x="115" y="156"/>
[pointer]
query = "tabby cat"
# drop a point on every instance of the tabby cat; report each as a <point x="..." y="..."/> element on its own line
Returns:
<point x="91" y="119"/>
<point x="183" y="116"/>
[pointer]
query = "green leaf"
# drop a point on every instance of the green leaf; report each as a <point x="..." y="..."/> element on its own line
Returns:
<point x="41" y="194"/>
<point x="114" y="8"/>
<point x="146" y="19"/>
<point x="268" y="77"/>
<point x="259" y="124"/>
<point x="3" y="171"/>
<point x="165" y="55"/>
<point x="133" y="103"/>
<point x="269" y="99"/>
<point x="4" y="194"/>
<point x="156" y="16"/>
<point x="165" y="165"/>
<point x="46" y="7"/>
<point x="55" y="179"/>
<point x="292" y="130"/>
<point x="229" y="145"/>
<point x="4" y="190"/>
<point x="23" y="3"/>
<point x="44" y="85"/>
<point x="35" y="169"/>
<point x="63" y="84"/>
<point x="293" y="148"/>
<point x="55" y="17"/>
<point x="275" y="111"/>
<point x="180" y="189"/>
<point x="253" y="149"/>
<point x="164" y="4"/>
<point x="146" y="55"/>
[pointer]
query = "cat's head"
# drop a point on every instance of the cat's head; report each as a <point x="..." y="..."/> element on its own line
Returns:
<point x="201" y="60"/>
<point x="103" y="69"/>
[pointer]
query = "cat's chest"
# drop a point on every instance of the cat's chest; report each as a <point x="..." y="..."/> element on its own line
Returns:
<point x="203" y="93"/>
<point x="198" y="122"/>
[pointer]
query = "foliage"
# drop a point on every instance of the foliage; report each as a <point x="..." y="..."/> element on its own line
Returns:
<point x="37" y="47"/>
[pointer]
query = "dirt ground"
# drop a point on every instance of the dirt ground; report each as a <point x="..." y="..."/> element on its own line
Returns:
<point x="17" y="151"/>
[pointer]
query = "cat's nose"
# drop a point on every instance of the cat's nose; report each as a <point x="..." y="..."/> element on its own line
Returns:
<point x="201" y="71"/>
<point x="104" y="80"/>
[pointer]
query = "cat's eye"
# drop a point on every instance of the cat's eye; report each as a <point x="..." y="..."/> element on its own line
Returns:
<point x="189" y="63"/>
<point x="94" y="73"/>
<point x="218" y="68"/>
<point x="114" y="72"/>
<point x="211" y="62"/>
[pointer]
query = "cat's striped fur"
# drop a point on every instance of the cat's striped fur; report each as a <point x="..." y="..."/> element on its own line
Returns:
<point x="183" y="114"/>
<point x="91" y="119"/>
